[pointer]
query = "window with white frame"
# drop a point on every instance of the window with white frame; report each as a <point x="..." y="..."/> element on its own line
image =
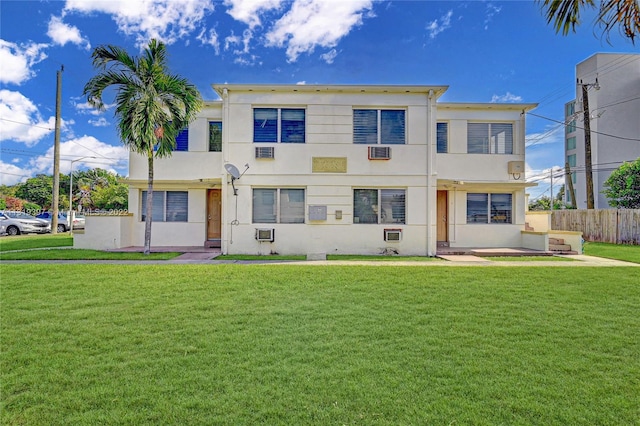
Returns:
<point x="442" y="137"/>
<point x="285" y="125"/>
<point x="373" y="126"/>
<point x="215" y="136"/>
<point x="489" y="208"/>
<point x="278" y="205"/>
<point x="379" y="206"/>
<point x="168" y="206"/>
<point x="490" y="138"/>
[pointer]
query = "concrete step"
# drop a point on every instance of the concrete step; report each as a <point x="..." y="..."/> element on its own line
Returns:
<point x="556" y="241"/>
<point x="559" y="247"/>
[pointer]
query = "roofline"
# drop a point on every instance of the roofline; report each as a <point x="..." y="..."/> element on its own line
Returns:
<point x="346" y="88"/>
<point x="487" y="105"/>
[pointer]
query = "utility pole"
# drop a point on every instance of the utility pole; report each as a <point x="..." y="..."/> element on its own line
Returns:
<point x="56" y="155"/>
<point x="551" y="197"/>
<point x="587" y="142"/>
<point x="569" y="182"/>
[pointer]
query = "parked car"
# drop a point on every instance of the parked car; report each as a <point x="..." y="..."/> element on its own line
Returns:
<point x="16" y="223"/>
<point x="63" y="220"/>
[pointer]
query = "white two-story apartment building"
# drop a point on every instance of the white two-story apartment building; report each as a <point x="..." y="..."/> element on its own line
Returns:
<point x="333" y="169"/>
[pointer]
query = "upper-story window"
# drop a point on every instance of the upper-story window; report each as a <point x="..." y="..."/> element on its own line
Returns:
<point x="489" y="138"/>
<point x="215" y="136"/>
<point x="182" y="140"/>
<point x="571" y="126"/>
<point x="286" y="125"/>
<point x="442" y="138"/>
<point x="570" y="109"/>
<point x="372" y="126"/>
<point x="571" y="143"/>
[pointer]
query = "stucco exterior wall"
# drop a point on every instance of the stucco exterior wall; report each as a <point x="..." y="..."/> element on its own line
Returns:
<point x="414" y="167"/>
<point x="105" y="233"/>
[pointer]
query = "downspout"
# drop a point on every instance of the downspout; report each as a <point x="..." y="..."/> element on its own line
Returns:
<point x="431" y="173"/>
<point x="225" y="159"/>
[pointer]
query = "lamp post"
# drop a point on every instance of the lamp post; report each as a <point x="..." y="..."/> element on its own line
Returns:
<point x="71" y="191"/>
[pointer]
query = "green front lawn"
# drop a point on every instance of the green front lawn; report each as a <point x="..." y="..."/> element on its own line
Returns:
<point x="83" y="254"/>
<point x="613" y="251"/>
<point x="25" y="242"/>
<point x="276" y="344"/>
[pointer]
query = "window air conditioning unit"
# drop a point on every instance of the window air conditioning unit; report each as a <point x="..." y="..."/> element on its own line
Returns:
<point x="265" y="152"/>
<point x="265" y="235"/>
<point x="393" y="235"/>
<point x="379" y="153"/>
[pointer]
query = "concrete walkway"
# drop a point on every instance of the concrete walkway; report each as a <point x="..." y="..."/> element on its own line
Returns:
<point x="453" y="260"/>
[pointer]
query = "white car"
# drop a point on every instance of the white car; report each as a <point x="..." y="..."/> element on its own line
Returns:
<point x="16" y="223"/>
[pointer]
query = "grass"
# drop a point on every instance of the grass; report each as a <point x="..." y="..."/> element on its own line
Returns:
<point x="25" y="242"/>
<point x="267" y="344"/>
<point x="528" y="259"/>
<point x="626" y="253"/>
<point x="83" y="254"/>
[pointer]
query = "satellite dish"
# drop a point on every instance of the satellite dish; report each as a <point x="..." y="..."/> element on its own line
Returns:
<point x="232" y="170"/>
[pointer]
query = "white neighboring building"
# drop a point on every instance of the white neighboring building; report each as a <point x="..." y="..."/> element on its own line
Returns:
<point x="614" y="104"/>
<point x="333" y="169"/>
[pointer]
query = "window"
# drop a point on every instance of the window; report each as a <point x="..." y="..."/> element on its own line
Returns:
<point x="490" y="138"/>
<point x="571" y="143"/>
<point x="215" y="136"/>
<point x="571" y="159"/>
<point x="379" y="206"/>
<point x="290" y="130"/>
<point x="574" y="177"/>
<point x="489" y="208"/>
<point x="570" y="109"/>
<point x="571" y="126"/>
<point x="372" y="126"/>
<point x="442" y="137"/>
<point x="182" y="140"/>
<point x="271" y="205"/>
<point x="168" y="206"/>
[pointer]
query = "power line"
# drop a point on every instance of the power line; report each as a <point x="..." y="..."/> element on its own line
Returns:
<point x="26" y="124"/>
<point x="592" y="131"/>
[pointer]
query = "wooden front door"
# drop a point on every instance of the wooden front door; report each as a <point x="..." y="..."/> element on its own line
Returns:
<point x="214" y="214"/>
<point x="442" y="213"/>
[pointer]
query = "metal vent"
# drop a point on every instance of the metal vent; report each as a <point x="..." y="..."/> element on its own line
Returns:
<point x="379" y="153"/>
<point x="265" y="235"/>
<point x="265" y="152"/>
<point x="393" y="235"/>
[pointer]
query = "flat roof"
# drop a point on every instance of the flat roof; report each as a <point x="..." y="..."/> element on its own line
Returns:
<point x="311" y="88"/>
<point x="486" y="106"/>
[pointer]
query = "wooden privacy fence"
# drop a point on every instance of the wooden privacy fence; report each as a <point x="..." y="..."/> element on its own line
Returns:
<point x="603" y="225"/>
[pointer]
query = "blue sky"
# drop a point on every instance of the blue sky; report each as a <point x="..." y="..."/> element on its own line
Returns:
<point x="486" y="51"/>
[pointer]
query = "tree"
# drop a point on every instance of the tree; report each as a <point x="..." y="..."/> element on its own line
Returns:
<point x="622" y="188"/>
<point x="565" y="15"/>
<point x="152" y="106"/>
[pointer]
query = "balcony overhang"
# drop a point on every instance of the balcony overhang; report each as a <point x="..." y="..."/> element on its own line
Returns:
<point x="175" y="184"/>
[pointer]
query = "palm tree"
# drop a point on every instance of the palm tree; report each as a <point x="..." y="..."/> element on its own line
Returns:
<point x="152" y="106"/>
<point x="565" y="15"/>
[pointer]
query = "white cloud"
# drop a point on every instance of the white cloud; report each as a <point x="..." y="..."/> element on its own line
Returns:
<point x="437" y="26"/>
<point x="11" y="174"/>
<point x="105" y="156"/>
<point x="87" y="109"/>
<point x="243" y="54"/>
<point x="21" y="120"/>
<point x="329" y="56"/>
<point x="210" y="38"/>
<point x="248" y="11"/>
<point x="553" y="134"/>
<point x="311" y="23"/>
<point x="508" y="97"/>
<point x="166" y="20"/>
<point x="17" y="60"/>
<point x="490" y="11"/>
<point x="99" y="154"/>
<point x="100" y="122"/>
<point x="62" y="34"/>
